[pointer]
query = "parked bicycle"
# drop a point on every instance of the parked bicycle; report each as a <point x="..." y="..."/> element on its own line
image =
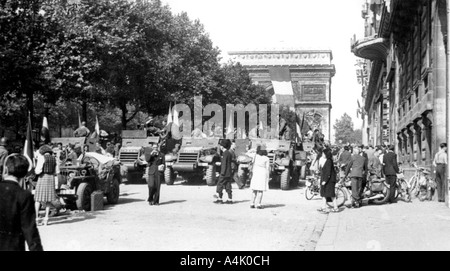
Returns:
<point x="420" y="185"/>
<point x="403" y="189"/>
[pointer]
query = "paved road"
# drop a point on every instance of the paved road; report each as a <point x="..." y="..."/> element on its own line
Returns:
<point x="188" y="220"/>
<point x="418" y="226"/>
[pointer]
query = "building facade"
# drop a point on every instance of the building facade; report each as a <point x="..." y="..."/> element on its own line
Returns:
<point x="299" y="79"/>
<point x="405" y="100"/>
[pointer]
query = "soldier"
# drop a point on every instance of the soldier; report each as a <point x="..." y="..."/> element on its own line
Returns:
<point x="156" y="163"/>
<point x="82" y="131"/>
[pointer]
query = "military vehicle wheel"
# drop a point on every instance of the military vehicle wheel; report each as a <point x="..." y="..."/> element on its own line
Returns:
<point x="169" y="177"/>
<point x="211" y="175"/>
<point x="84" y="192"/>
<point x="285" y="179"/>
<point x="295" y="177"/>
<point x="113" y="196"/>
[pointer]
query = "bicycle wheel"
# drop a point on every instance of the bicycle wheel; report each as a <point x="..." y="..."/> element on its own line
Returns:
<point x="309" y="193"/>
<point x="414" y="189"/>
<point x="341" y="198"/>
<point x="402" y="189"/>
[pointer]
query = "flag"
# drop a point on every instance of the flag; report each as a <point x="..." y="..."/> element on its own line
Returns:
<point x="230" y="129"/>
<point x="175" y="117"/>
<point x="45" y="133"/>
<point x="97" y="126"/>
<point x="28" y="146"/>
<point x="96" y="133"/>
<point x="169" y="116"/>
<point x="297" y="126"/>
<point x="175" y="129"/>
<point x="363" y="77"/>
<point x="79" y="119"/>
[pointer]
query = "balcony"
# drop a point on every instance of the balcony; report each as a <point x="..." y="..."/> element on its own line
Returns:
<point x="372" y="48"/>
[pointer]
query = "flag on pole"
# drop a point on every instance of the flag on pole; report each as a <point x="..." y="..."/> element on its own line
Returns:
<point x="28" y="146"/>
<point x="169" y="116"/>
<point x="230" y="129"/>
<point x="175" y="129"/>
<point x="45" y="133"/>
<point x="297" y="126"/>
<point x="175" y="117"/>
<point x="97" y="126"/>
<point x="79" y="119"/>
<point x="261" y="130"/>
<point x="96" y="133"/>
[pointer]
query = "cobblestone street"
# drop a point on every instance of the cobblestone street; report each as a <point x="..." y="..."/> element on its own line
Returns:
<point x="417" y="226"/>
<point x="188" y="220"/>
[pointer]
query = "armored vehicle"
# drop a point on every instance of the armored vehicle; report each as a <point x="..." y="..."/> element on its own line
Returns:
<point x="198" y="158"/>
<point x="133" y="144"/>
<point x="282" y="161"/>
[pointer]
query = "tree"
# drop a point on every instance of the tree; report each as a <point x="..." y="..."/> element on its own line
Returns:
<point x="25" y="29"/>
<point x="344" y="131"/>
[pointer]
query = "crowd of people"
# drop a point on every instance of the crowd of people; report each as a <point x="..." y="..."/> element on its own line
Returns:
<point x="20" y="211"/>
<point x="361" y="164"/>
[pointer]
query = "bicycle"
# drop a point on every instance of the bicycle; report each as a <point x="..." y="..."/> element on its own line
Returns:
<point x="419" y="183"/>
<point x="402" y="188"/>
<point x="313" y="189"/>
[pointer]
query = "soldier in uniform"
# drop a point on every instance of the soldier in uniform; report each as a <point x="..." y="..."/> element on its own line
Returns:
<point x="82" y="131"/>
<point x="156" y="162"/>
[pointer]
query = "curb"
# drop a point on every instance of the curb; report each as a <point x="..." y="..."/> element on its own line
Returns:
<point x="329" y="233"/>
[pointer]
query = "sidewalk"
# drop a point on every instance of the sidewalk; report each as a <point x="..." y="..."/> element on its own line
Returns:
<point x="418" y="226"/>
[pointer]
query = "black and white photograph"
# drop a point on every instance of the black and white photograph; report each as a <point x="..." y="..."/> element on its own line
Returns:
<point x="241" y="128"/>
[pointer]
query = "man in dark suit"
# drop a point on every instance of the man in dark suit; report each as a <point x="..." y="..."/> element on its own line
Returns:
<point x="356" y="168"/>
<point x="363" y="153"/>
<point x="156" y="162"/>
<point x="390" y="170"/>
<point x="17" y="214"/>
<point x="226" y="173"/>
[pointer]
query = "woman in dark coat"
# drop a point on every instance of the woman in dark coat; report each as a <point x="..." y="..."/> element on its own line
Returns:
<point x="328" y="182"/>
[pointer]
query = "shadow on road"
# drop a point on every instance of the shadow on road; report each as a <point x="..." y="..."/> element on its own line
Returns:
<point x="268" y="206"/>
<point x="71" y="218"/>
<point x="128" y="200"/>
<point x="171" y="202"/>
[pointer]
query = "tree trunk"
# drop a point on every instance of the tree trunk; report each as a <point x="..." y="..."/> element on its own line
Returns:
<point x="84" y="111"/>
<point x="124" y="109"/>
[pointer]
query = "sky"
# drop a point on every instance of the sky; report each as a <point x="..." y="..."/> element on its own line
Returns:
<point x="236" y="25"/>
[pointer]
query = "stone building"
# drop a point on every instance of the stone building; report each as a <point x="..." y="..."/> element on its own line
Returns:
<point x="405" y="99"/>
<point x="299" y="79"/>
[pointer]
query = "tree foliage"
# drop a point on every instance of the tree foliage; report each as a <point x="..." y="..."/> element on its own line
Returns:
<point x="120" y="58"/>
<point x="344" y="131"/>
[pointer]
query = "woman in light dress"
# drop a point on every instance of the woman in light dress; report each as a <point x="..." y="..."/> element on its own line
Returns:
<point x="260" y="178"/>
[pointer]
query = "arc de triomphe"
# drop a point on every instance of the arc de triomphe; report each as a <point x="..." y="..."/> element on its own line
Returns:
<point x="300" y="79"/>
